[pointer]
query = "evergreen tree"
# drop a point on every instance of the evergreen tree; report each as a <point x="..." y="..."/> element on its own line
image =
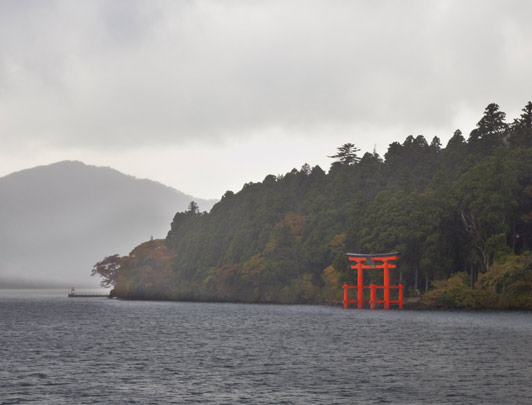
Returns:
<point x="489" y="133"/>
<point x="492" y="122"/>
<point x="347" y="154"/>
<point x="521" y="128"/>
<point x="193" y="208"/>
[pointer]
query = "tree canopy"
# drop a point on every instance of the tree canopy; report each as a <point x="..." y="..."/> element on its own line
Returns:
<point x="465" y="208"/>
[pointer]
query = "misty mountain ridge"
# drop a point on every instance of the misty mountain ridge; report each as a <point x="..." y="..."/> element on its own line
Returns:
<point x="58" y="220"/>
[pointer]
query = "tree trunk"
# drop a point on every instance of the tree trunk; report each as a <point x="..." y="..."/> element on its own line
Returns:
<point x="479" y="239"/>
<point x="485" y="260"/>
<point x="513" y="238"/>
<point x="426" y="283"/>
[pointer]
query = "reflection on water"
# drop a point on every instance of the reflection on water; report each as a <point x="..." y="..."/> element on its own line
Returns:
<point x="57" y="350"/>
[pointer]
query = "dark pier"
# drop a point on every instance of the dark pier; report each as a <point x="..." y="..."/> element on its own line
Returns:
<point x="74" y="294"/>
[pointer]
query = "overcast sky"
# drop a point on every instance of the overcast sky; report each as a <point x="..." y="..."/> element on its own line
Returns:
<point x="207" y="95"/>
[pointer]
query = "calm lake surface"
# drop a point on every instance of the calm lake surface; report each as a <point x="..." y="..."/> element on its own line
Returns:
<point x="58" y="350"/>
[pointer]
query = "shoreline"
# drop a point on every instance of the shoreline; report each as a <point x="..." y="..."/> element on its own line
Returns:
<point x="412" y="305"/>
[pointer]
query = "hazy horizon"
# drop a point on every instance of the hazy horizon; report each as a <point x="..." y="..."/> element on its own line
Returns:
<point x="59" y="220"/>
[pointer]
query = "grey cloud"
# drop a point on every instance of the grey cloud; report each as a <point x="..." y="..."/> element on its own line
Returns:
<point x="115" y="73"/>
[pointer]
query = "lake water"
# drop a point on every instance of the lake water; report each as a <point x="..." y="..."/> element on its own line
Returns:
<point x="56" y="350"/>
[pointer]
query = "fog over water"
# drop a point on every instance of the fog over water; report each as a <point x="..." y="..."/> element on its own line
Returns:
<point x="57" y="350"/>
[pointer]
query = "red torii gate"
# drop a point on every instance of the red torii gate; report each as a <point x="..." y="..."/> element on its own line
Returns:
<point x="385" y="258"/>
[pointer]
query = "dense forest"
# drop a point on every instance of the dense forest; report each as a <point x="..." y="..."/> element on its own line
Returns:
<point x="460" y="216"/>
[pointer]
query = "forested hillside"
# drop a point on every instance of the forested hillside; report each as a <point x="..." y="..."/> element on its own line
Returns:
<point x="462" y="211"/>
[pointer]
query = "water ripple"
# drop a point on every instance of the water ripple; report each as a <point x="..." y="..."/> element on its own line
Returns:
<point x="61" y="351"/>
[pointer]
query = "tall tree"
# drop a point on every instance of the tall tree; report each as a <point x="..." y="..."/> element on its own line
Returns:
<point x="521" y="128"/>
<point x="193" y="207"/>
<point x="492" y="122"/>
<point x="488" y="201"/>
<point x="490" y="130"/>
<point x="347" y="154"/>
<point x="435" y="145"/>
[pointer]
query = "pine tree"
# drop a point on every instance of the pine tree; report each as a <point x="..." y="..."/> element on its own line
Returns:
<point x="347" y="154"/>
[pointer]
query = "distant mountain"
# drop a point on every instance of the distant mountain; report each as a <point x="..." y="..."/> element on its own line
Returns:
<point x="56" y="221"/>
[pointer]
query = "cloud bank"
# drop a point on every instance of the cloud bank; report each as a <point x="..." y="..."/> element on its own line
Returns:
<point x="104" y="77"/>
<point x="113" y="74"/>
